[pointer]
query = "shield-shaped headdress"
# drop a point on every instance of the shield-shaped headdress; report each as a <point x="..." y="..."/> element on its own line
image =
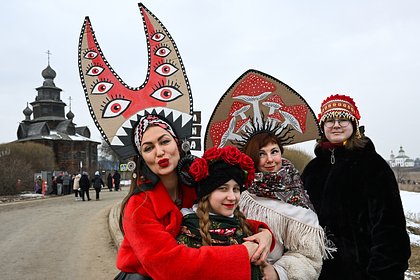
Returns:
<point x="257" y="102"/>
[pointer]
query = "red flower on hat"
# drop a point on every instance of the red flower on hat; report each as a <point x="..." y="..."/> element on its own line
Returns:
<point x="199" y="169"/>
<point x="232" y="155"/>
<point x="247" y="164"/>
<point x="213" y="154"/>
<point x="229" y="154"/>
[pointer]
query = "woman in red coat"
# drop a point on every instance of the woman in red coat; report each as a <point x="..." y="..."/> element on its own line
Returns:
<point x="151" y="219"/>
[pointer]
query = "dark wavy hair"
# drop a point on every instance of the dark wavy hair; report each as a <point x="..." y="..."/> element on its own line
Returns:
<point x="143" y="179"/>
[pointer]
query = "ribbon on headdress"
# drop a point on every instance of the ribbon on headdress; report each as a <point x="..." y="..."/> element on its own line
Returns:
<point x="147" y="121"/>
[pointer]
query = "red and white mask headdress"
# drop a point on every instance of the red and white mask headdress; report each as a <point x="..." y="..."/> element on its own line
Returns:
<point x="116" y="107"/>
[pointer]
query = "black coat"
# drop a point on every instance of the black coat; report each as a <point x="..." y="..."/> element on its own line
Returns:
<point x="97" y="182"/>
<point x="84" y="182"/>
<point x="357" y="200"/>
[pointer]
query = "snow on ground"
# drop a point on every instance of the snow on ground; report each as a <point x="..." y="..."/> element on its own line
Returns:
<point x="31" y="195"/>
<point x="411" y="205"/>
<point x="411" y="202"/>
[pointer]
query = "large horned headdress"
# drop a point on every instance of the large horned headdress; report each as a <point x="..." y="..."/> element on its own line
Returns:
<point x="255" y="103"/>
<point x="116" y="107"/>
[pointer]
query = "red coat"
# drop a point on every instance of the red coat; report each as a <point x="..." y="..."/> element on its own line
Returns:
<point x="151" y="223"/>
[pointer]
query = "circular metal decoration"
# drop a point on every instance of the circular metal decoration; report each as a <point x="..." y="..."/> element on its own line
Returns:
<point x="131" y="165"/>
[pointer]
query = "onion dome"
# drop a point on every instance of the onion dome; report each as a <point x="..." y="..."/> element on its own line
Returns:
<point x="70" y="115"/>
<point x="27" y="112"/>
<point x="49" y="75"/>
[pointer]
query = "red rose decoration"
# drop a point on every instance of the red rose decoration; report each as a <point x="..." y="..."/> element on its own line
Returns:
<point x="232" y="155"/>
<point x="250" y="177"/>
<point x="199" y="169"/>
<point x="247" y="164"/>
<point x="213" y="154"/>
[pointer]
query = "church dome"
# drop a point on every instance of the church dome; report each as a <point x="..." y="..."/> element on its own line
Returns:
<point x="49" y="75"/>
<point x="27" y="111"/>
<point x="70" y="115"/>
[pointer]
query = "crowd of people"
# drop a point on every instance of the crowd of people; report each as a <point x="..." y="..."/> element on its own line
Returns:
<point x="80" y="183"/>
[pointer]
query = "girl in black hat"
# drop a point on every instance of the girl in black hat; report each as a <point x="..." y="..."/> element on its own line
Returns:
<point x="215" y="220"/>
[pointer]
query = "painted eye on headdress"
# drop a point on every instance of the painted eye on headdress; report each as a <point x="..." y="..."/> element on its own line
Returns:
<point x="90" y="55"/>
<point x="102" y="87"/>
<point x="166" y="94"/>
<point x="166" y="69"/>
<point x="115" y="108"/>
<point x="158" y="36"/>
<point x="162" y="51"/>
<point x="94" y="71"/>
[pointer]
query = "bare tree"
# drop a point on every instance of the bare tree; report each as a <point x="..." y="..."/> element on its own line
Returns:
<point x="20" y="162"/>
<point x="400" y="174"/>
<point x="108" y="159"/>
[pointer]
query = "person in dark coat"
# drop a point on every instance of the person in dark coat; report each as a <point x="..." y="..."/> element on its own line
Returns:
<point x="356" y="197"/>
<point x="109" y="182"/>
<point x="117" y="178"/>
<point x="59" y="181"/>
<point x="98" y="184"/>
<point x="54" y="185"/>
<point x="84" y="185"/>
<point x="66" y="183"/>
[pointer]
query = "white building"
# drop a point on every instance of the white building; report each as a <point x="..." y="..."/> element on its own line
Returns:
<point x="401" y="160"/>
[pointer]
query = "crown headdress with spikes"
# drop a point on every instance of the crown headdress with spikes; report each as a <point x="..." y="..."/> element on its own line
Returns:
<point x="255" y="103"/>
<point x="267" y="126"/>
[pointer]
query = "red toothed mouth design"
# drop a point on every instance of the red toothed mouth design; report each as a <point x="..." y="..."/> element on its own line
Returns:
<point x="163" y="162"/>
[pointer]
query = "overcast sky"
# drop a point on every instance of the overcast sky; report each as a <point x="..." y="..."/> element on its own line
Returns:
<point x="369" y="50"/>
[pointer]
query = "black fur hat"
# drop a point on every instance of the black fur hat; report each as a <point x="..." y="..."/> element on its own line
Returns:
<point x="219" y="165"/>
<point x="220" y="173"/>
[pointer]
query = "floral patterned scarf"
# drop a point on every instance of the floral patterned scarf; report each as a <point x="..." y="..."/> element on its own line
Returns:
<point x="284" y="185"/>
<point x="224" y="231"/>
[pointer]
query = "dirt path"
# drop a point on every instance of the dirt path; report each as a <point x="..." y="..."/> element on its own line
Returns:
<point x="58" y="238"/>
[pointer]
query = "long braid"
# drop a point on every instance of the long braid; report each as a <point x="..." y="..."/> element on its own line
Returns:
<point x="242" y="222"/>
<point x="255" y="270"/>
<point x="203" y="208"/>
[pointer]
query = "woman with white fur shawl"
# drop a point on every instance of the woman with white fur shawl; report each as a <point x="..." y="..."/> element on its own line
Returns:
<point x="277" y="197"/>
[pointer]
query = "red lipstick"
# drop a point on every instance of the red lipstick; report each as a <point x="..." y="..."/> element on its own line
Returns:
<point x="163" y="162"/>
<point x="270" y="169"/>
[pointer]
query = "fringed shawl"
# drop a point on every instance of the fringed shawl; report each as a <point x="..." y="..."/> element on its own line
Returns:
<point x="224" y="231"/>
<point x="297" y="228"/>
